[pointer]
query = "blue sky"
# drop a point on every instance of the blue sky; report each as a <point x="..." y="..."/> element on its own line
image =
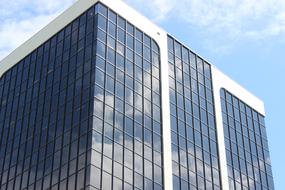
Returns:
<point x="243" y="38"/>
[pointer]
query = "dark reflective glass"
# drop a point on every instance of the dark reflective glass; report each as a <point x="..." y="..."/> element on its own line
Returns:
<point x="75" y="93"/>
<point x="129" y="103"/>
<point x="46" y="135"/>
<point x="194" y="141"/>
<point x="245" y="158"/>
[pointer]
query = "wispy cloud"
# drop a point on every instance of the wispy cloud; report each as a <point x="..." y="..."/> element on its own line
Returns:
<point x="20" y="19"/>
<point x="227" y="21"/>
<point x="222" y="22"/>
<point x="155" y="9"/>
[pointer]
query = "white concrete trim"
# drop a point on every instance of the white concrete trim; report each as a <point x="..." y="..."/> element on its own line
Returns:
<point x="44" y="34"/>
<point x="67" y="17"/>
<point x="223" y="81"/>
<point x="220" y="81"/>
<point x="167" y="152"/>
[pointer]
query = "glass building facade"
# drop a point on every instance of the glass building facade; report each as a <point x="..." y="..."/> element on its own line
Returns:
<point x="247" y="152"/>
<point x="89" y="108"/>
<point x="83" y="110"/>
<point x="46" y="113"/>
<point x="127" y="129"/>
<point x="195" y="156"/>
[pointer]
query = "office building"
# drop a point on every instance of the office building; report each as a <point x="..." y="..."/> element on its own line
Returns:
<point x="102" y="98"/>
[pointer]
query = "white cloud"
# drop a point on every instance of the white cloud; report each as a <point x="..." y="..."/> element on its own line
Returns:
<point x="13" y="33"/>
<point x="223" y="21"/>
<point x="20" y="19"/>
<point x="156" y="9"/>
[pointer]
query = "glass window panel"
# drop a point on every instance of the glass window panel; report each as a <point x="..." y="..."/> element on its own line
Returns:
<point x="138" y="48"/>
<point x="102" y="23"/>
<point x="146" y="52"/>
<point x="120" y="48"/>
<point x="112" y="16"/>
<point x="121" y="22"/>
<point x="112" y="29"/>
<point x="130" y="41"/>
<point x="130" y="28"/>
<point x="101" y="49"/>
<point x="120" y="64"/>
<point x="106" y="181"/>
<point x="101" y="35"/>
<point x="121" y="36"/>
<point x="102" y="9"/>
<point x="111" y="42"/>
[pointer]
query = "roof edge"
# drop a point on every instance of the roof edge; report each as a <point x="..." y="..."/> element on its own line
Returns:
<point x="221" y="80"/>
<point x="45" y="33"/>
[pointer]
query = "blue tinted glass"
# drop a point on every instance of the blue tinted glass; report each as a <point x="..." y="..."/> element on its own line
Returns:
<point x="89" y="110"/>
<point x="243" y="143"/>
<point x="191" y="121"/>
